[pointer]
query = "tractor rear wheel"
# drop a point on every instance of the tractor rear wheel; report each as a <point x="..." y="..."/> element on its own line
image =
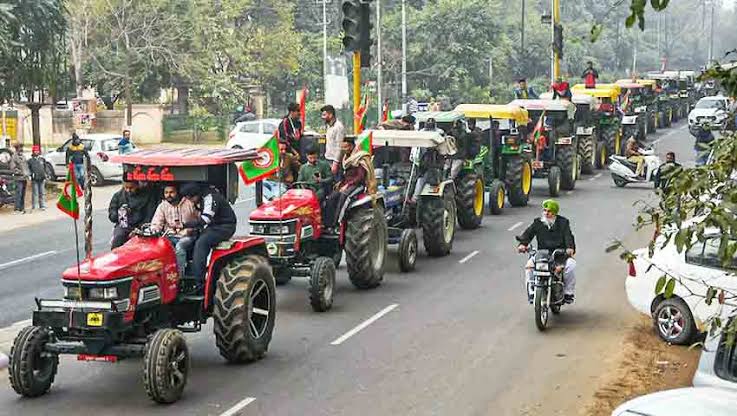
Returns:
<point x="365" y="246"/>
<point x="437" y="219"/>
<point x="518" y="178"/>
<point x="586" y="153"/>
<point x="470" y="200"/>
<point x="613" y="141"/>
<point x="322" y="284"/>
<point x="31" y="370"/>
<point x="165" y="365"/>
<point x="245" y="309"/>
<point x="566" y="158"/>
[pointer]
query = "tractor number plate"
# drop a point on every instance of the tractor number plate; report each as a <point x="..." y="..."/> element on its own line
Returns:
<point x="564" y="140"/>
<point x="536" y="164"/>
<point x="94" y="319"/>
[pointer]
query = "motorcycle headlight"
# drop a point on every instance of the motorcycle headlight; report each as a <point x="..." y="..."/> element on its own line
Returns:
<point x="72" y="292"/>
<point x="542" y="266"/>
<point x="103" y="293"/>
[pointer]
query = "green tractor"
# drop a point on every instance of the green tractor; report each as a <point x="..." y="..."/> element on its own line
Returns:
<point x="469" y="182"/>
<point x="665" y="104"/>
<point x="606" y="119"/>
<point x="505" y="153"/>
<point x="585" y="128"/>
<point x="555" y="145"/>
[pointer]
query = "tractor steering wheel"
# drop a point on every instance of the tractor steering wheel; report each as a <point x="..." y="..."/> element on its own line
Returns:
<point x="303" y="185"/>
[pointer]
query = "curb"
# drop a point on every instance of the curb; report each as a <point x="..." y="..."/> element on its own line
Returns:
<point x="4" y="360"/>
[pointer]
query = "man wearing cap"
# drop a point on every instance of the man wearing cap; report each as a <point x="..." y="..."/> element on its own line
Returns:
<point x="37" y="168"/>
<point x="217" y="222"/>
<point x="553" y="232"/>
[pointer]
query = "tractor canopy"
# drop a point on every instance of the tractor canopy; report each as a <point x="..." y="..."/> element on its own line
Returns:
<point x="438" y="116"/>
<point x="411" y="138"/>
<point x="495" y="111"/>
<point x="215" y="167"/>
<point x="549" y="106"/>
<point x="580" y="100"/>
<point x="611" y="91"/>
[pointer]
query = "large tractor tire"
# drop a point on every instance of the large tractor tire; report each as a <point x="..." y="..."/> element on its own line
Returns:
<point x="567" y="158"/>
<point x="322" y="284"/>
<point x="365" y="246"/>
<point x="31" y="370"/>
<point x="613" y="141"/>
<point x="166" y="366"/>
<point x="470" y="200"/>
<point x="437" y="219"/>
<point x="554" y="181"/>
<point x="245" y="309"/>
<point x="518" y="178"/>
<point x="497" y="192"/>
<point x="602" y="156"/>
<point x="652" y="123"/>
<point x="407" y="250"/>
<point x="586" y="153"/>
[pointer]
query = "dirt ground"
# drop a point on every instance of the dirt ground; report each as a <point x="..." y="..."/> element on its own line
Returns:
<point x="646" y="365"/>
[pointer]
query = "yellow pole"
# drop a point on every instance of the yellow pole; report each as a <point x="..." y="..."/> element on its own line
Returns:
<point x="556" y="58"/>
<point x="356" y="89"/>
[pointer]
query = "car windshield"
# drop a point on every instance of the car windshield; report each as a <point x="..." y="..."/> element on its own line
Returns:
<point x="110" y="145"/>
<point x="708" y="104"/>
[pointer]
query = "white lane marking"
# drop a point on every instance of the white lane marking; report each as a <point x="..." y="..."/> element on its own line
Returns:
<point x="26" y="259"/>
<point x="238" y="407"/>
<point x="515" y="226"/>
<point x="364" y="324"/>
<point x="467" y="258"/>
<point x="595" y="177"/>
<point x="243" y="201"/>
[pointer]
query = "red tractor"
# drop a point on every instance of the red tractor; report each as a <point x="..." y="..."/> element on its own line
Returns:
<point x="298" y="245"/>
<point x="127" y="303"/>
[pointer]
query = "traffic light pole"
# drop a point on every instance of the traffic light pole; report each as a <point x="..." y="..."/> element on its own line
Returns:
<point x="556" y="58"/>
<point x="356" y="89"/>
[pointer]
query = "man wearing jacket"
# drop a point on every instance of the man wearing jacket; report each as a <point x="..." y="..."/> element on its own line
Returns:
<point x="76" y="155"/>
<point x="590" y="75"/>
<point x="37" y="168"/>
<point x="290" y="129"/>
<point x="21" y="174"/>
<point x="217" y="222"/>
<point x="129" y="208"/>
<point x="553" y="232"/>
<point x="522" y="91"/>
<point x="170" y="216"/>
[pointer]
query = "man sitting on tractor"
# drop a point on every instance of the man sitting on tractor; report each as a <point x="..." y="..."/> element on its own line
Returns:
<point x="129" y="208"/>
<point x="358" y="172"/>
<point x="171" y="215"/>
<point x="407" y="122"/>
<point x="217" y="222"/>
<point x="463" y="147"/>
<point x="316" y="172"/>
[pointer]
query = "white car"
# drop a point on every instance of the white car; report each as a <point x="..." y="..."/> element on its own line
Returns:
<point x="679" y="318"/>
<point x="713" y="109"/>
<point x="252" y="134"/>
<point x="689" y="401"/>
<point x="718" y="364"/>
<point x="100" y="147"/>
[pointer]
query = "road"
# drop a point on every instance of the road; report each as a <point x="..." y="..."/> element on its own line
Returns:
<point x="454" y="337"/>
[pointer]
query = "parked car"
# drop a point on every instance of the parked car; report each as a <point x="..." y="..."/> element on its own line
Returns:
<point x="718" y="364"/>
<point x="681" y="317"/>
<point x="713" y="110"/>
<point x="100" y="148"/>
<point x="252" y="134"/>
<point x="689" y="401"/>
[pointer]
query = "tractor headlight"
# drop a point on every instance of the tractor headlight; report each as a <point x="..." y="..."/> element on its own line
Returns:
<point x="542" y="266"/>
<point x="510" y="140"/>
<point x="279" y="229"/>
<point x="72" y="292"/>
<point x="103" y="293"/>
<point x="258" y="229"/>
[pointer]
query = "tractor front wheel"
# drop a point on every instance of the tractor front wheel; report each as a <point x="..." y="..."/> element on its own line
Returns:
<point x="586" y="153"/>
<point x="496" y="197"/>
<point x="518" y="178"/>
<point x="437" y="219"/>
<point x="166" y="366"/>
<point x="322" y="284"/>
<point x="566" y="158"/>
<point x="31" y="370"/>
<point x="470" y="200"/>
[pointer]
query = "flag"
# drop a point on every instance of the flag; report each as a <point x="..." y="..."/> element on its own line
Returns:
<point x="537" y="135"/>
<point x="68" y="199"/>
<point x="390" y="116"/>
<point x="302" y="107"/>
<point x="361" y="114"/>
<point x="365" y="141"/>
<point x="385" y="113"/>
<point x="266" y="164"/>
<point x="626" y="101"/>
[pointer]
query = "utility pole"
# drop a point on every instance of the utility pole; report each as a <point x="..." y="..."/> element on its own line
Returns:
<point x="379" y="100"/>
<point x="522" y="28"/>
<point x="404" y="55"/>
<point x="555" y="70"/>
<point x="325" y="48"/>
<point x="711" y="36"/>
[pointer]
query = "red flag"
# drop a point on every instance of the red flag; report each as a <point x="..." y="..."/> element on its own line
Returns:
<point x="361" y="114"/>
<point x="302" y="108"/>
<point x="538" y="139"/>
<point x="385" y="111"/>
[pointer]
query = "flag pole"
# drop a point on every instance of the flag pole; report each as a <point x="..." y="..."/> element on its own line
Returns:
<point x="87" y="212"/>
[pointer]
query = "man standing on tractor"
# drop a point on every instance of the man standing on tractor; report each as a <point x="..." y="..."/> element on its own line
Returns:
<point x="291" y="129"/>
<point x="562" y="90"/>
<point x="522" y="91"/>
<point x="333" y="137"/>
<point x="462" y="140"/>
<point x="129" y="208"/>
<point x="407" y="122"/>
<point x="170" y="216"/>
<point x="217" y="222"/>
<point x="590" y="75"/>
<point x="358" y="173"/>
<point x="316" y="172"/>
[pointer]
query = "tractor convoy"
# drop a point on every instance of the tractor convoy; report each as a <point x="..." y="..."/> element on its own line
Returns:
<point x="129" y="303"/>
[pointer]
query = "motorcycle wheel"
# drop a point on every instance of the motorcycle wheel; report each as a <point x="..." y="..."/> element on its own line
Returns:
<point x="541" y="310"/>
<point x="619" y="181"/>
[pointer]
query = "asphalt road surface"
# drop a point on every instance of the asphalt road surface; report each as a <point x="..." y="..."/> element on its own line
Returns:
<point x="456" y="336"/>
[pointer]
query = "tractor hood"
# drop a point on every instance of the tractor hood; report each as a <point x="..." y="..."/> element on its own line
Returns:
<point x="139" y="255"/>
<point x="293" y="204"/>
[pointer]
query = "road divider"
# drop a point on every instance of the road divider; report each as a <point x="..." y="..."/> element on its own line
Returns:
<point x="364" y="324"/>
<point x="515" y="226"/>
<point x="238" y="407"/>
<point x="467" y="258"/>
<point x="26" y="259"/>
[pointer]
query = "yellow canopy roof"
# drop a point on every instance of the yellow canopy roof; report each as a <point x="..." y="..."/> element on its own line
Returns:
<point x="650" y="82"/>
<point x="498" y="111"/>
<point x="601" y="91"/>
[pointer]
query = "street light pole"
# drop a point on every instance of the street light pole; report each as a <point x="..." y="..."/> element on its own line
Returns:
<point x="522" y="27"/>
<point x="711" y="36"/>
<point x="325" y="48"/>
<point x="380" y="101"/>
<point x="404" y="55"/>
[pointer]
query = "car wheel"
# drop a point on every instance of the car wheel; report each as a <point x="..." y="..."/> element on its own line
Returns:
<point x="239" y="147"/>
<point x="673" y="321"/>
<point x="96" y="178"/>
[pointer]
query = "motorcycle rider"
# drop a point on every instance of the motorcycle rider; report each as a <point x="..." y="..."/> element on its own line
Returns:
<point x="632" y="152"/>
<point x="217" y="222"/>
<point x="170" y="216"/>
<point x="553" y="232"/>
<point x="666" y="171"/>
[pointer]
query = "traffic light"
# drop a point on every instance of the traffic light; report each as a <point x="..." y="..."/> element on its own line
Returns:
<point x="558" y="40"/>
<point x="357" y="28"/>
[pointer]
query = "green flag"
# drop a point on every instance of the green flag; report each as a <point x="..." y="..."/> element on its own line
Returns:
<point x="365" y="141"/>
<point x="68" y="199"/>
<point x="267" y="163"/>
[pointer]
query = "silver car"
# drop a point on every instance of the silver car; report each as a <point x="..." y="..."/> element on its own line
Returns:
<point x="718" y="364"/>
<point x="100" y="147"/>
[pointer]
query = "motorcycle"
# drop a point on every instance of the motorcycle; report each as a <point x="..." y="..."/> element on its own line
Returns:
<point x="7" y="196"/>
<point x="547" y="282"/>
<point x="623" y="171"/>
